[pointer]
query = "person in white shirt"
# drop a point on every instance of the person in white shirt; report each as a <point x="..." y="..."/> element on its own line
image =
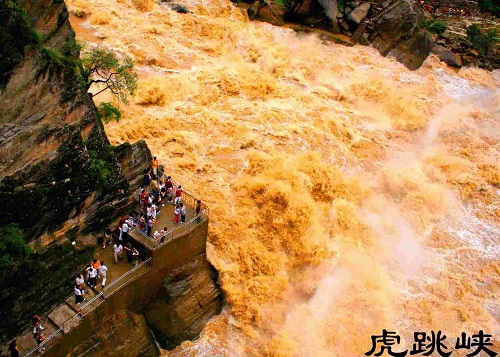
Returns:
<point x="183" y="213"/>
<point x="153" y="211"/>
<point x="79" y="282"/>
<point x="103" y="269"/>
<point x="92" y="275"/>
<point x="117" y="251"/>
<point x="78" y="295"/>
<point x="124" y="230"/>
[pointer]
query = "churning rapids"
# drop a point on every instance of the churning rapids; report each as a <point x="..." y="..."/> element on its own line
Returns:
<point x="347" y="193"/>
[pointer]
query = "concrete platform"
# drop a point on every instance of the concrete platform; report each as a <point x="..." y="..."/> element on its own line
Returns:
<point x="64" y="317"/>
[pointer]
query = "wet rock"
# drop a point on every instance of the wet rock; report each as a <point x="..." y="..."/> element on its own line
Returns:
<point x="181" y="9"/>
<point x="344" y="25"/>
<point x="124" y="334"/>
<point x="412" y="53"/>
<point x="359" y="13"/>
<point x="253" y="10"/>
<point x="397" y="28"/>
<point x="447" y="56"/>
<point x="134" y="158"/>
<point x="330" y="7"/>
<point x="272" y="13"/>
<point x="190" y="297"/>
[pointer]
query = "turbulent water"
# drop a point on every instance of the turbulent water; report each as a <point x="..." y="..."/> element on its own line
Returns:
<point x="347" y="194"/>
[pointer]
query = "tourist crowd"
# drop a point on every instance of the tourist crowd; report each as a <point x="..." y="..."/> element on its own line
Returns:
<point x="156" y="192"/>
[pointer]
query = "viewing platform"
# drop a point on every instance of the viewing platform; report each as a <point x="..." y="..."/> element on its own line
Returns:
<point x="130" y="287"/>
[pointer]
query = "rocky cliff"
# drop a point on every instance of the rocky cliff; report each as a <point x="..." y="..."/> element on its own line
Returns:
<point x="122" y="334"/>
<point x="60" y="178"/>
<point x="399" y="32"/>
<point x="59" y="171"/>
<point x="190" y="296"/>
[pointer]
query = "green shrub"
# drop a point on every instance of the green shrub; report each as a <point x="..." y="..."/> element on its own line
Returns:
<point x="492" y="6"/>
<point x="108" y="112"/>
<point x="13" y="247"/>
<point x="98" y="169"/>
<point x="482" y="42"/>
<point x="435" y="26"/>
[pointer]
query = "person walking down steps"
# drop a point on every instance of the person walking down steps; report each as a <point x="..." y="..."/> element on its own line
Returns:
<point x="35" y="321"/>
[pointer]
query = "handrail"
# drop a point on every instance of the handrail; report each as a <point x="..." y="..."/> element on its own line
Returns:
<point x="89" y="303"/>
<point x="189" y="200"/>
<point x="107" y="291"/>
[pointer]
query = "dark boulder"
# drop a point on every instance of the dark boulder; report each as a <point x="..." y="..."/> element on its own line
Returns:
<point x="447" y="56"/>
<point x="413" y="52"/>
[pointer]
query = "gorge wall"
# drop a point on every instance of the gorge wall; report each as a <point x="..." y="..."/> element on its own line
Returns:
<point x="61" y="180"/>
<point x="399" y="33"/>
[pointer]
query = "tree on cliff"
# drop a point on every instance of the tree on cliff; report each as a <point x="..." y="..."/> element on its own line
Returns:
<point x="101" y="66"/>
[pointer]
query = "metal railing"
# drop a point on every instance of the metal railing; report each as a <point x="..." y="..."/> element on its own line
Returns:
<point x="172" y="233"/>
<point x="93" y="303"/>
<point x="135" y="272"/>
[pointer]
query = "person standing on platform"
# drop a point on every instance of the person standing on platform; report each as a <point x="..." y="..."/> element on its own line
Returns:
<point x="135" y="256"/>
<point x="128" y="250"/>
<point x="177" y="212"/>
<point x="156" y="166"/>
<point x="198" y="210"/>
<point x="103" y="270"/>
<point x="78" y="296"/>
<point x="178" y="195"/>
<point x="79" y="281"/>
<point x="39" y="338"/>
<point x="124" y="230"/>
<point x="13" y="349"/>
<point x="183" y="212"/>
<point x="92" y="276"/>
<point x="117" y="251"/>
<point x="150" y="226"/>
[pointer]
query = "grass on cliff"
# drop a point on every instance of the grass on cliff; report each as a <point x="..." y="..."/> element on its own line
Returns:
<point x="15" y="35"/>
<point x="435" y="26"/>
<point x="33" y="281"/>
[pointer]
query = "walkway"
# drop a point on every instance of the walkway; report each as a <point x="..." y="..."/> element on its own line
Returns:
<point x="64" y="316"/>
<point x="68" y="315"/>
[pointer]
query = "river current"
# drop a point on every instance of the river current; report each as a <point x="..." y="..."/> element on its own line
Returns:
<point x="347" y="194"/>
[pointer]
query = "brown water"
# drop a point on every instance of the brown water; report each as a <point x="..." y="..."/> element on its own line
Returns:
<point x="347" y="194"/>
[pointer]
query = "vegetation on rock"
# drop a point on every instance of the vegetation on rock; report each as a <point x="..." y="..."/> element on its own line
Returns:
<point x="102" y="66"/>
<point x="482" y="42"/>
<point x="492" y="6"/>
<point x="15" y="34"/>
<point x="435" y="26"/>
<point x="108" y="112"/>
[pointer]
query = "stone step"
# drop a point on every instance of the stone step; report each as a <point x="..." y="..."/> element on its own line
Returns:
<point x="26" y="342"/>
<point x="64" y="317"/>
<point x="83" y="308"/>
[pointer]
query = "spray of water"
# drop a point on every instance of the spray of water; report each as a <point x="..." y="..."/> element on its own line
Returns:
<point x="347" y="194"/>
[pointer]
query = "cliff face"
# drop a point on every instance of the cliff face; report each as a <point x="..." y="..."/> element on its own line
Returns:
<point x="59" y="176"/>
<point x="123" y="334"/>
<point x="59" y="171"/>
<point x="190" y="297"/>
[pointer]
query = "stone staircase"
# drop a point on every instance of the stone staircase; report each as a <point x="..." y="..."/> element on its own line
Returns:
<point x="61" y="320"/>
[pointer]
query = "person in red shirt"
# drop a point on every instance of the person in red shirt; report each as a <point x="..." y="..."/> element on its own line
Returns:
<point x="178" y="195"/>
<point x="144" y="200"/>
